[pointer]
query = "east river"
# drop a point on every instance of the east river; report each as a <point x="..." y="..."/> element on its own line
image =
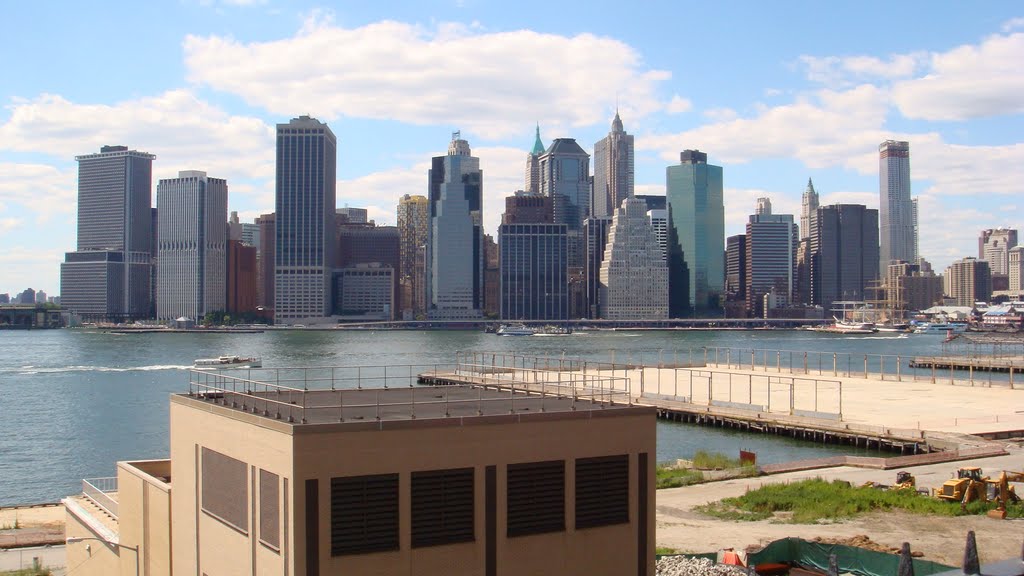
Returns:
<point x="74" y="402"/>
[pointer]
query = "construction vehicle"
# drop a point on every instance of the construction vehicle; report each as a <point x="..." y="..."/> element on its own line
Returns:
<point x="968" y="486"/>
<point x="1004" y="493"/>
<point x="905" y="481"/>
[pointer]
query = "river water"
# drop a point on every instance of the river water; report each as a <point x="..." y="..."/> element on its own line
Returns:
<point x="74" y="402"/>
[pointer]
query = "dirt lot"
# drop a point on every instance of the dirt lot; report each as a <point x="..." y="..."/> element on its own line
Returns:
<point x="940" y="539"/>
<point x="35" y="526"/>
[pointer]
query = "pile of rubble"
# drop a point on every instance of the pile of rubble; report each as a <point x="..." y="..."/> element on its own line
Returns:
<point x="683" y="566"/>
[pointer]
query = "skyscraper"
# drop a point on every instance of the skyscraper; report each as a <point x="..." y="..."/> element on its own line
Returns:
<point x="1015" y="274"/>
<point x="565" y="178"/>
<point x="969" y="280"/>
<point x="455" y="246"/>
<point x="533" y="267"/>
<point x="305" y="217"/>
<point x="595" y="240"/>
<point x="771" y="244"/>
<point x="659" y="220"/>
<point x="192" y="217"/>
<point x="808" y="207"/>
<point x="108" y="277"/>
<point x="696" y="235"/>
<point x="368" y="244"/>
<point x="634" y="277"/>
<point x="533" y="165"/>
<point x="413" y="221"/>
<point x="896" y="209"/>
<point x="736" y="275"/>
<point x="994" y="246"/>
<point x="266" y="257"/>
<point x="613" y="170"/>
<point x="843" y="253"/>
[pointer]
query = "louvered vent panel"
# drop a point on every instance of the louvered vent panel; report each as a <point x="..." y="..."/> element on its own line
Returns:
<point x="536" y="498"/>
<point x="270" y="512"/>
<point x="602" y="491"/>
<point x="442" y="507"/>
<point x="225" y="489"/>
<point x="364" y="514"/>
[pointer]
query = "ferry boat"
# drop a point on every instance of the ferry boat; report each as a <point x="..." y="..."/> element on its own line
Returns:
<point x="940" y="328"/>
<point x="843" y="327"/>
<point x="552" y="330"/>
<point x="516" y="330"/>
<point x="229" y="362"/>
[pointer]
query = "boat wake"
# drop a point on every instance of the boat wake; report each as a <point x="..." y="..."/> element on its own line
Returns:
<point x="29" y="370"/>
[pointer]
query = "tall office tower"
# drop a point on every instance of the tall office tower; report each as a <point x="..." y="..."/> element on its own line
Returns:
<point x="896" y="212"/>
<point x="634" y="277"/>
<point x="352" y="215"/>
<point x="736" y="276"/>
<point x="455" y="252"/>
<point x="1015" y="257"/>
<point x="764" y="206"/>
<point x="803" y="295"/>
<point x="153" y="242"/>
<point x="969" y="280"/>
<point x="994" y="246"/>
<point x="613" y="170"/>
<point x="565" y="178"/>
<point x="533" y="165"/>
<point x="525" y="208"/>
<point x="370" y="244"/>
<point x="265" y="257"/>
<point x="843" y="253"/>
<point x="108" y="277"/>
<point x="241" y="278"/>
<point x="659" y="220"/>
<point x="808" y="207"/>
<point x="696" y="235"/>
<point x="305" y="220"/>
<point x="917" y="228"/>
<point x="595" y="239"/>
<point x="413" y="221"/>
<point x="908" y="287"/>
<point x="654" y="201"/>
<point x="192" y="251"/>
<point x="245" y="232"/>
<point x="492" y="278"/>
<point x="533" y="267"/>
<point x="771" y="246"/>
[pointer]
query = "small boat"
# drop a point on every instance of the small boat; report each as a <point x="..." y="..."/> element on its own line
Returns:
<point x="229" y="362"/>
<point x="516" y="330"/>
<point x="843" y="327"/>
<point x="899" y="327"/>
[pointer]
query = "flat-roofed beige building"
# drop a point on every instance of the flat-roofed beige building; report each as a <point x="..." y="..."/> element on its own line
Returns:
<point x="413" y="480"/>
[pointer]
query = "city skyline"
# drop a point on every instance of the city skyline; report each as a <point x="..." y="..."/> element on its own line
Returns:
<point x="203" y="101"/>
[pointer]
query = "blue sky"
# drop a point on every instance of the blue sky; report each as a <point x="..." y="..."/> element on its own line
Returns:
<point x="773" y="92"/>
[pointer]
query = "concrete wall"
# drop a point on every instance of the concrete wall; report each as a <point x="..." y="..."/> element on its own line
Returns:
<point x="144" y="516"/>
<point x="323" y="453"/>
<point x="93" y="557"/>
<point x="201" y="539"/>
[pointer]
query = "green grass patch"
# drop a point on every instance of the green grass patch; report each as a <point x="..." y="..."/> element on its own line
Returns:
<point x="813" y="501"/>
<point x="715" y="461"/>
<point x="26" y="572"/>
<point x="676" y="477"/>
<point x="662" y="550"/>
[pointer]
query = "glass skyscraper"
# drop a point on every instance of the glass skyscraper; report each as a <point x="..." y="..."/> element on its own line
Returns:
<point x="896" y="209"/>
<point x="305" y="219"/>
<point x="565" y="177"/>
<point x="696" y="236"/>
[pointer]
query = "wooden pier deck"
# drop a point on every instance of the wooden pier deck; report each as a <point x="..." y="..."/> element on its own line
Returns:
<point x="1010" y="364"/>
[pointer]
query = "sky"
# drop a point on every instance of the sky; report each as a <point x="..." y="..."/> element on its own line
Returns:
<point x="775" y="93"/>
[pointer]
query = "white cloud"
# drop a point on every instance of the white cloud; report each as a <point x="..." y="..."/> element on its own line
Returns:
<point x="841" y="71"/>
<point x="678" y="105"/>
<point x="721" y="114"/>
<point x="490" y="83"/>
<point x="8" y="224"/>
<point x="1013" y="24"/>
<point x="37" y="188"/>
<point x="970" y="81"/>
<point x="36" y="267"/>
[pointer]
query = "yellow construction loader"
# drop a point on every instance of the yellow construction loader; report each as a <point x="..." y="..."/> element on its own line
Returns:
<point x="968" y="486"/>
<point x="1004" y="493"/>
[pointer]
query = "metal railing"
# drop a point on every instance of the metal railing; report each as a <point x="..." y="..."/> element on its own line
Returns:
<point x="98" y="490"/>
<point x="284" y="393"/>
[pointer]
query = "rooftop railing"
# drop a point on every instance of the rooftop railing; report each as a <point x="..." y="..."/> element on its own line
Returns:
<point x="99" y="491"/>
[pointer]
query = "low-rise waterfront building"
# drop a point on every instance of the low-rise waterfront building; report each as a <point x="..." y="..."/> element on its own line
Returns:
<point x="365" y="291"/>
<point x="274" y="480"/>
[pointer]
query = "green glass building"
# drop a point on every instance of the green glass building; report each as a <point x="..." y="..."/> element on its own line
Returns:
<point x="696" y="236"/>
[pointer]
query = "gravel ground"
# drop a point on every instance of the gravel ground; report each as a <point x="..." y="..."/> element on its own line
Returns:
<point x="680" y="566"/>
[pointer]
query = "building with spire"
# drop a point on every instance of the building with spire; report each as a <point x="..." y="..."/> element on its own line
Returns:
<point x="533" y="165"/>
<point x="634" y="278"/>
<point x="613" y="170"/>
<point x="455" y="244"/>
<point x="809" y="207"/>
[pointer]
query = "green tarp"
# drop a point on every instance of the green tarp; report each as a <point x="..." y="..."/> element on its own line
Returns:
<point x="855" y="560"/>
